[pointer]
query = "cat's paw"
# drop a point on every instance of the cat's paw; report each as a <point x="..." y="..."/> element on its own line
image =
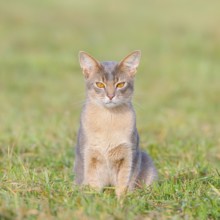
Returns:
<point x="121" y="191"/>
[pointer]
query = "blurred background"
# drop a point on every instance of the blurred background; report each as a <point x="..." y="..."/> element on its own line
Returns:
<point x="177" y="86"/>
<point x="176" y="98"/>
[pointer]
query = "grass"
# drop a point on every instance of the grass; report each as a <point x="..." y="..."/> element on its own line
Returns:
<point x="176" y="101"/>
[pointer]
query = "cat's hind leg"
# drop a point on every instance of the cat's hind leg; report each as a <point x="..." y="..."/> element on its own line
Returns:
<point x="78" y="170"/>
<point x="148" y="172"/>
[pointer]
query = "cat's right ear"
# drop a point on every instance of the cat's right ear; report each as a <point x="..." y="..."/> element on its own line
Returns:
<point x="88" y="64"/>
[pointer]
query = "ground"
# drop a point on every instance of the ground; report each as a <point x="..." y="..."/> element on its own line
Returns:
<point x="176" y="101"/>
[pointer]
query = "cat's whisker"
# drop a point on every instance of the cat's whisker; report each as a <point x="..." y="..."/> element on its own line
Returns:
<point x="136" y="104"/>
<point x="78" y="103"/>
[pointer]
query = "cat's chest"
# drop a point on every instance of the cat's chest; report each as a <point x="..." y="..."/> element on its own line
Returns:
<point x="108" y="129"/>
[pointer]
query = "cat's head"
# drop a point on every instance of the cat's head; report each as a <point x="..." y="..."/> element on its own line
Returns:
<point x="109" y="83"/>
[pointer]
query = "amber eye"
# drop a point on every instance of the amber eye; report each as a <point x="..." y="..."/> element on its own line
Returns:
<point x="120" y="85"/>
<point x="100" y="85"/>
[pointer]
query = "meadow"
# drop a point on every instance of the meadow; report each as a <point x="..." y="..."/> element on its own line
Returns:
<point x="177" y="102"/>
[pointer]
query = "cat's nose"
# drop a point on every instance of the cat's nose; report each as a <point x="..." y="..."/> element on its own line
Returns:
<point x="111" y="96"/>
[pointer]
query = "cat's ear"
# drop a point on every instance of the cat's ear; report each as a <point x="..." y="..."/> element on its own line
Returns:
<point x="88" y="64"/>
<point x="130" y="63"/>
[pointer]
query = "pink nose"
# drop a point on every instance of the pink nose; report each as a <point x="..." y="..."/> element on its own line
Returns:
<point x="111" y="96"/>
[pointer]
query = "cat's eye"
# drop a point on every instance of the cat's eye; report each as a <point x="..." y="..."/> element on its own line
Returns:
<point x="100" y="85"/>
<point x="120" y="85"/>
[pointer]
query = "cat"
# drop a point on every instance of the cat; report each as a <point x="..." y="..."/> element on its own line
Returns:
<point x="107" y="151"/>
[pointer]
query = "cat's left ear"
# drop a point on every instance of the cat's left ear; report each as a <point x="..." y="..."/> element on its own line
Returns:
<point x="130" y="63"/>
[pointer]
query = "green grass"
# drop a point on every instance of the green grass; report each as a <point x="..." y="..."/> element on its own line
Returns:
<point x="177" y="104"/>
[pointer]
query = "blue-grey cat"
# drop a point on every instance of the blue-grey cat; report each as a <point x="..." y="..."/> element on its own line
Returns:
<point x="107" y="151"/>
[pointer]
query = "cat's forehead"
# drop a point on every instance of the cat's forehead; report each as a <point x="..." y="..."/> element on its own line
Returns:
<point x="109" y="70"/>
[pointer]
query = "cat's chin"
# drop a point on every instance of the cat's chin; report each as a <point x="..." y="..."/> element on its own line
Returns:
<point x="110" y="105"/>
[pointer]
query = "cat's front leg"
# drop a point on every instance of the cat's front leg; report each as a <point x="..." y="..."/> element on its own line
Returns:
<point x="121" y="158"/>
<point x="94" y="170"/>
<point x="123" y="177"/>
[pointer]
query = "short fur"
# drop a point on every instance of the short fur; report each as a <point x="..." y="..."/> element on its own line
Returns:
<point x="107" y="151"/>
